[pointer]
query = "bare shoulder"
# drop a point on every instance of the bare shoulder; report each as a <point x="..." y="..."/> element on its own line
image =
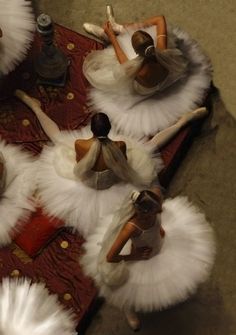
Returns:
<point x="83" y="144"/>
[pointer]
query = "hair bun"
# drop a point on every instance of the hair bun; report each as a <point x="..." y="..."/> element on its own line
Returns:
<point x="135" y="195"/>
<point x="149" y="50"/>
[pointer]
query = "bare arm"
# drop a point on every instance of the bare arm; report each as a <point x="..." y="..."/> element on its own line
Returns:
<point x="81" y="149"/>
<point x="124" y="235"/>
<point x="160" y="23"/>
<point x="121" y="56"/>
<point x="114" y="256"/>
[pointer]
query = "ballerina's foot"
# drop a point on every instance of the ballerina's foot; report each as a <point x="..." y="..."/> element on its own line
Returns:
<point x="192" y="116"/>
<point x="133" y="320"/>
<point x="117" y="28"/>
<point x="96" y="31"/>
<point x="29" y="101"/>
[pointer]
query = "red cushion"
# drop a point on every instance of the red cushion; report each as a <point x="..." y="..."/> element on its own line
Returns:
<point x="37" y="232"/>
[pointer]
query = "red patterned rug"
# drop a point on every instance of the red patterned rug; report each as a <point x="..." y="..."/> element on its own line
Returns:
<point x="57" y="264"/>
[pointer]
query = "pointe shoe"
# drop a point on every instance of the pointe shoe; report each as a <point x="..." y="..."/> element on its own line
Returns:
<point x="33" y="103"/>
<point x="192" y="116"/>
<point x="95" y="30"/>
<point x="117" y="28"/>
<point x="133" y="320"/>
<point x="110" y="13"/>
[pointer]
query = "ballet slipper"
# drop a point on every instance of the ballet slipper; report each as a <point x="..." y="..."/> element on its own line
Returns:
<point x="96" y="31"/>
<point x="117" y="28"/>
<point x="33" y="103"/>
<point x="192" y="116"/>
<point x="133" y="320"/>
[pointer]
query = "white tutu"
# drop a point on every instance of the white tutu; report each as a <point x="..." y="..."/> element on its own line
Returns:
<point x="17" y="25"/>
<point x="136" y="115"/>
<point x="65" y="196"/>
<point x="27" y="309"/>
<point x="185" y="259"/>
<point x="20" y="185"/>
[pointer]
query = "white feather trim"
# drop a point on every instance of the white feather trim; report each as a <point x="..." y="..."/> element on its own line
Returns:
<point x="20" y="185"/>
<point x="17" y="25"/>
<point x="184" y="261"/>
<point x="66" y="197"/>
<point x="139" y="116"/>
<point x="27" y="309"/>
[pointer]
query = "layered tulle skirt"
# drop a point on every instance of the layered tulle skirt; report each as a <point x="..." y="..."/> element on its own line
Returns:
<point x="184" y="262"/>
<point x="15" y="203"/>
<point x="17" y="25"/>
<point x="137" y="115"/>
<point x="29" y="309"/>
<point x="65" y="196"/>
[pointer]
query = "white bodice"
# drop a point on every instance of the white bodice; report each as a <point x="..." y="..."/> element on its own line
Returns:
<point x="150" y="237"/>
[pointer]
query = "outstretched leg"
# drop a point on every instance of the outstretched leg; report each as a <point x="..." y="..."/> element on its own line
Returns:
<point x="48" y="125"/>
<point x="164" y="136"/>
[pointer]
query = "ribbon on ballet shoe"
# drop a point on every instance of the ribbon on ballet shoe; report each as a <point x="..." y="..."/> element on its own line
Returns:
<point x="117" y="28"/>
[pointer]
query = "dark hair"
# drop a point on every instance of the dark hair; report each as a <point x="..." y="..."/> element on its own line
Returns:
<point x="148" y="201"/>
<point x="141" y="40"/>
<point x="100" y="125"/>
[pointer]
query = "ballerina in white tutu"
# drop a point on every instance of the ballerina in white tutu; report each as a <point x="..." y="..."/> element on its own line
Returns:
<point x="152" y="255"/>
<point x="17" y="185"/>
<point x="145" y="81"/>
<point x="17" y="26"/>
<point x="87" y="174"/>
<point x="29" y="309"/>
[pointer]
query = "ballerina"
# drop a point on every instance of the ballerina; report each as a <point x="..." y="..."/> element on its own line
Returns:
<point x="29" y="309"/>
<point x="86" y="174"/>
<point x="146" y="80"/>
<point x="17" y="26"/>
<point x="17" y="185"/>
<point x="152" y="256"/>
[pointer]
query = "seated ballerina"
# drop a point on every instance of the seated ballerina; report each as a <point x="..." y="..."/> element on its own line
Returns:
<point x="28" y="308"/>
<point x="86" y="174"/>
<point x="148" y="255"/>
<point x="147" y="78"/>
<point x="17" y="185"/>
